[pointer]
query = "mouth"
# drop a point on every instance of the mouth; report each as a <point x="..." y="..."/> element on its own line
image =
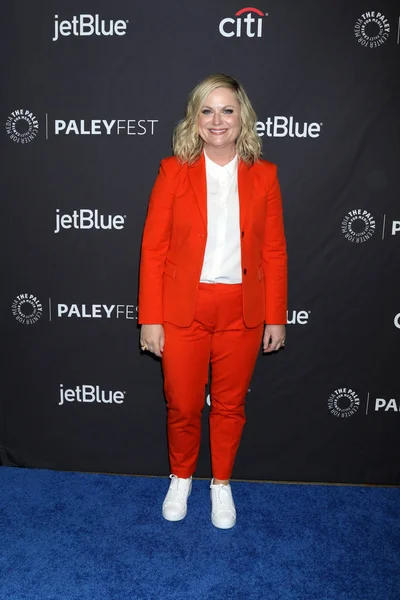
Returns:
<point x="217" y="131"/>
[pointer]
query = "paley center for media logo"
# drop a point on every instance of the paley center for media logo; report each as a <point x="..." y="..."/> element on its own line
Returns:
<point x="87" y="25"/>
<point x="90" y="394"/>
<point x="343" y="403"/>
<point x="28" y="309"/>
<point x="372" y="29"/>
<point x="22" y="126"/>
<point x="359" y="225"/>
<point x="247" y="22"/>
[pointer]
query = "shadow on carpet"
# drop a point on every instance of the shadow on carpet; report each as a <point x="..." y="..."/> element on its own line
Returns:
<point x="81" y="536"/>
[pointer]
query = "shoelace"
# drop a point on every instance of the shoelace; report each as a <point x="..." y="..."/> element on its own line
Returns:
<point x="181" y="495"/>
<point x="223" y="496"/>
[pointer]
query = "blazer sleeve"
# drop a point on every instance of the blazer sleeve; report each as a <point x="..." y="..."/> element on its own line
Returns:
<point x="274" y="256"/>
<point x="155" y="243"/>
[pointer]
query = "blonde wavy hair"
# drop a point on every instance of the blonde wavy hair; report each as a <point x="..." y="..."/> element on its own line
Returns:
<point x="186" y="141"/>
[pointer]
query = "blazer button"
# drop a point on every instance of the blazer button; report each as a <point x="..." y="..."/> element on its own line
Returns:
<point x="244" y="271"/>
<point x="242" y="233"/>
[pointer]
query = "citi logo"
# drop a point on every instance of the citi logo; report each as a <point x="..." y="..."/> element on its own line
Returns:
<point x="85" y="218"/>
<point x="86" y="25"/>
<point x="90" y="393"/>
<point x="298" y="317"/>
<point x="250" y="25"/>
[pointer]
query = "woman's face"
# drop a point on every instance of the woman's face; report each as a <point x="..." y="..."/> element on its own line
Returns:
<point x="219" y="119"/>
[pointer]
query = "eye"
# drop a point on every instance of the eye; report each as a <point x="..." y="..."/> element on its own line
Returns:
<point x="206" y="111"/>
<point x="229" y="111"/>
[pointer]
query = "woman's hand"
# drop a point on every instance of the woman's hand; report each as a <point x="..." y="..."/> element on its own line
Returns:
<point x="152" y="339"/>
<point x="274" y="337"/>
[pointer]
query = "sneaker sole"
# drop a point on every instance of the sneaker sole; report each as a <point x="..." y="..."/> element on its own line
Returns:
<point x="222" y="526"/>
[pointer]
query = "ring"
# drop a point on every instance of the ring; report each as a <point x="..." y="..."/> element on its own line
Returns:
<point x="144" y="347"/>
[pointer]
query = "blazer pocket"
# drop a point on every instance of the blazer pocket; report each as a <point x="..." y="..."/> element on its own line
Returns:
<point x="169" y="269"/>
<point x="260" y="271"/>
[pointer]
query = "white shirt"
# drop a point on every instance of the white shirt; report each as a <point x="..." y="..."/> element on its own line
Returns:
<point x="222" y="259"/>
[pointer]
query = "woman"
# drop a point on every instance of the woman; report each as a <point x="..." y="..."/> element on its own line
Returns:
<point x="212" y="282"/>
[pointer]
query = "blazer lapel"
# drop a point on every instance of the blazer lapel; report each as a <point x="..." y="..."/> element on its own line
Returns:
<point x="245" y="190"/>
<point x="198" y="181"/>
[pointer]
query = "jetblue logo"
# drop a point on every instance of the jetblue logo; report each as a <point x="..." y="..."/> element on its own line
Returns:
<point x="90" y="394"/>
<point x="87" y="25"/>
<point x="85" y="218"/>
<point x="281" y="126"/>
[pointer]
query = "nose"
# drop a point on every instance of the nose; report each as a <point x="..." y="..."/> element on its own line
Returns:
<point x="216" y="118"/>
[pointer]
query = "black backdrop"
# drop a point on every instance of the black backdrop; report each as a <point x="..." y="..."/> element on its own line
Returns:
<point x="87" y="118"/>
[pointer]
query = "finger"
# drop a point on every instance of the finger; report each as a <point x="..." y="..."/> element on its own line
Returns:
<point x="275" y="345"/>
<point x="266" y="342"/>
<point x="156" y="350"/>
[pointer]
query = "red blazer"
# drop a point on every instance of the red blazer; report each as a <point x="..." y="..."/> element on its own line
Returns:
<point x="174" y="242"/>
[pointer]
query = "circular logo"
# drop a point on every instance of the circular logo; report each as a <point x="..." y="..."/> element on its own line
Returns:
<point x="358" y="226"/>
<point x="397" y="321"/>
<point x="22" y="126"/>
<point x="27" y="309"/>
<point x="343" y="403"/>
<point x="372" y="29"/>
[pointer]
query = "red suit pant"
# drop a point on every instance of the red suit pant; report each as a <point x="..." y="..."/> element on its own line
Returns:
<point x="217" y="336"/>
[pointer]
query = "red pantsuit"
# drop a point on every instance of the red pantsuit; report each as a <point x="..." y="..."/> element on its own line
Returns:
<point x="205" y="323"/>
<point x="217" y="334"/>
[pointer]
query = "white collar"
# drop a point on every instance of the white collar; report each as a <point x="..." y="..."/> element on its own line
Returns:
<point x="215" y="170"/>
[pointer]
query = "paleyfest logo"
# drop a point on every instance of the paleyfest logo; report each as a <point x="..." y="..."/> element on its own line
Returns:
<point x="22" y="126"/>
<point x="372" y="29"/>
<point x="250" y="25"/>
<point x="28" y="309"/>
<point x="109" y="127"/>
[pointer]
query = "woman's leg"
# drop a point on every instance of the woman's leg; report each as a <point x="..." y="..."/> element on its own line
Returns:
<point x="185" y="363"/>
<point x="234" y="351"/>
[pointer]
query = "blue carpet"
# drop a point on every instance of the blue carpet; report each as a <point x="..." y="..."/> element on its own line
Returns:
<point x="78" y="536"/>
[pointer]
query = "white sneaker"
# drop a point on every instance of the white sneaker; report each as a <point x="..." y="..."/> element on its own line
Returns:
<point x="223" y="514"/>
<point x="174" y="507"/>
